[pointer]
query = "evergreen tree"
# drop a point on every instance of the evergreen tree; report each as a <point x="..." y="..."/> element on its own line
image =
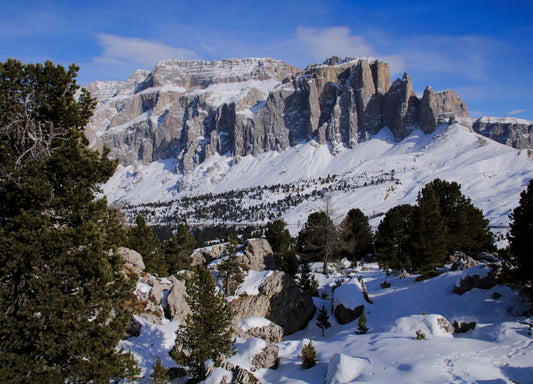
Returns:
<point x="278" y="236"/>
<point x="206" y="333"/>
<point x="318" y="239"/>
<point x="361" y="324"/>
<point x="159" y="373"/>
<point x="392" y="238"/>
<point x="467" y="229"/>
<point x="428" y="241"/>
<point x="322" y="319"/>
<point x="308" y="356"/>
<point x="233" y="273"/>
<point x="142" y="239"/>
<point x="355" y="235"/>
<point x="521" y="240"/>
<point x="62" y="289"/>
<point x="177" y="250"/>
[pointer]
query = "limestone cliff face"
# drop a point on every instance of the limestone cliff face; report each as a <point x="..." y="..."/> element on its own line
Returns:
<point x="194" y="109"/>
<point x="516" y="133"/>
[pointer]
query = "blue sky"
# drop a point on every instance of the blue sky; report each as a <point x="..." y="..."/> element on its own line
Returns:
<point x="481" y="49"/>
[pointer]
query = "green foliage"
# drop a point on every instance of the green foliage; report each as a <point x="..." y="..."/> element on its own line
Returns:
<point x="233" y="273"/>
<point x="318" y="239"/>
<point x="521" y="240"/>
<point x="427" y="241"/>
<point x="62" y="289"/>
<point x="159" y="374"/>
<point x="420" y="335"/>
<point x="178" y="249"/>
<point x="322" y="319"/>
<point x="308" y="356"/>
<point x="206" y="333"/>
<point x="307" y="281"/>
<point x="392" y="238"/>
<point x="278" y="236"/>
<point x="355" y="235"/>
<point x="142" y="239"/>
<point x="361" y="324"/>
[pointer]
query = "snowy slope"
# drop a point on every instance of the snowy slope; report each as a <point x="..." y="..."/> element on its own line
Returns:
<point x="498" y="351"/>
<point x="491" y="174"/>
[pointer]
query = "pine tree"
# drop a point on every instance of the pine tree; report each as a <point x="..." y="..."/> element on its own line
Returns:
<point x="233" y="273"/>
<point x="278" y="236"/>
<point x="361" y="324"/>
<point x="178" y="249"/>
<point x="206" y="333"/>
<point x="308" y="356"/>
<point x="355" y="235"/>
<point x="322" y="319"/>
<point x="62" y="289"/>
<point x="159" y="373"/>
<point x="392" y="238"/>
<point x="521" y="239"/>
<point x="428" y="242"/>
<point x="318" y="239"/>
<point x="142" y="239"/>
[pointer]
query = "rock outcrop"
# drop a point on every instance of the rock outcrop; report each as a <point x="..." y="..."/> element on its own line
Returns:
<point x="257" y="254"/>
<point x="176" y="306"/>
<point x="480" y="276"/>
<point x="191" y="110"/>
<point x="280" y="300"/>
<point x="516" y="133"/>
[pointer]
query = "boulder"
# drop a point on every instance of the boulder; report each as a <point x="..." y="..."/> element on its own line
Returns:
<point x="347" y="315"/>
<point x="280" y="300"/>
<point x="257" y="254"/>
<point x="345" y="369"/>
<point x="267" y="358"/>
<point x="464" y="262"/>
<point x="159" y="286"/>
<point x="481" y="276"/>
<point x="208" y="254"/>
<point x="271" y="333"/>
<point x="463" y="327"/>
<point x="177" y="308"/>
<point x="132" y="257"/>
<point x="134" y="328"/>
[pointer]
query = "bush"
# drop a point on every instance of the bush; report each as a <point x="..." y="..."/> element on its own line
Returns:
<point x="308" y="356"/>
<point x="420" y="335"/>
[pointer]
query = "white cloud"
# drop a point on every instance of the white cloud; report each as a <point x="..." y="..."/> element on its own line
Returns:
<point x="117" y="49"/>
<point x="321" y="43"/>
<point x="517" y="111"/>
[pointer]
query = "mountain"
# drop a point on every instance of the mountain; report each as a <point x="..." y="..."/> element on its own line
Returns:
<point x="285" y="138"/>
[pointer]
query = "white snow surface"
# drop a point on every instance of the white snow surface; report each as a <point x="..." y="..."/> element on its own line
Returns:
<point x="491" y="174"/>
<point x="253" y="322"/>
<point x="499" y="349"/>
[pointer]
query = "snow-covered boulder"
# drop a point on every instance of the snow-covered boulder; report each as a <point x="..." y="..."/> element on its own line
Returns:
<point x="480" y="276"/>
<point x="348" y="301"/>
<point x="208" y="254"/>
<point x="430" y="325"/>
<point x="267" y="358"/>
<point x="345" y="369"/>
<point x="262" y="328"/>
<point x="275" y="296"/>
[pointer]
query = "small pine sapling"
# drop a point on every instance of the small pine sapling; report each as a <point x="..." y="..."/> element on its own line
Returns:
<point x="420" y="335"/>
<point x="361" y="324"/>
<point x="322" y="320"/>
<point x="159" y="374"/>
<point x="308" y="356"/>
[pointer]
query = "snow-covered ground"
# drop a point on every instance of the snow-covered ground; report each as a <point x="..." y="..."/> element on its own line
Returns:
<point x="499" y="350"/>
<point x="491" y="174"/>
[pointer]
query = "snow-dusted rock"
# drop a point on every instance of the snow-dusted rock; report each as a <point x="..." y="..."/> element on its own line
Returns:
<point x="345" y="369"/>
<point x="267" y="358"/>
<point x="430" y="325"/>
<point x="257" y="254"/>
<point x="348" y="301"/>
<point x="278" y="299"/>
<point x="480" y="276"/>
<point x="159" y="286"/>
<point x="208" y="254"/>
<point x="177" y="307"/>
<point x="132" y="257"/>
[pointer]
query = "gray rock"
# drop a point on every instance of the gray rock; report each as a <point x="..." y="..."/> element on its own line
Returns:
<point x="132" y="257"/>
<point x="347" y="315"/>
<point x="280" y="300"/>
<point x="177" y="308"/>
<point x="242" y="376"/>
<point x="463" y="327"/>
<point x="464" y="262"/>
<point x="272" y="333"/>
<point x="158" y="288"/>
<point x="257" y="254"/>
<point x="208" y="254"/>
<point x="470" y="281"/>
<point x="267" y="358"/>
<point x="401" y="107"/>
<point x="445" y="325"/>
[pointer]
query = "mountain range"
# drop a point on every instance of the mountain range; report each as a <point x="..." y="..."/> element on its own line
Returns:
<point x="196" y="128"/>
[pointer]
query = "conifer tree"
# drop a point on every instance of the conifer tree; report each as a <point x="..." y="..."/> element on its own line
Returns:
<point x="322" y="319"/>
<point x="233" y="273"/>
<point x="428" y="242"/>
<point x="361" y="324"/>
<point x="206" y="334"/>
<point x="159" y="373"/>
<point x="318" y="239"/>
<point x="178" y="249"/>
<point x="355" y="235"/>
<point x="142" y="239"/>
<point x="62" y="289"/>
<point x="278" y="236"/>
<point x="521" y="240"/>
<point x="308" y="356"/>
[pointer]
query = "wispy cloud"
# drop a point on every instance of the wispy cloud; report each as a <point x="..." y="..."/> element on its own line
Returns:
<point x="131" y="50"/>
<point x="517" y="111"/>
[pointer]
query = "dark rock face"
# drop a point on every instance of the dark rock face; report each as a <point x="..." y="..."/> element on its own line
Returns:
<point x="192" y="110"/>
<point x="347" y="315"/>
<point x="516" y="133"/>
